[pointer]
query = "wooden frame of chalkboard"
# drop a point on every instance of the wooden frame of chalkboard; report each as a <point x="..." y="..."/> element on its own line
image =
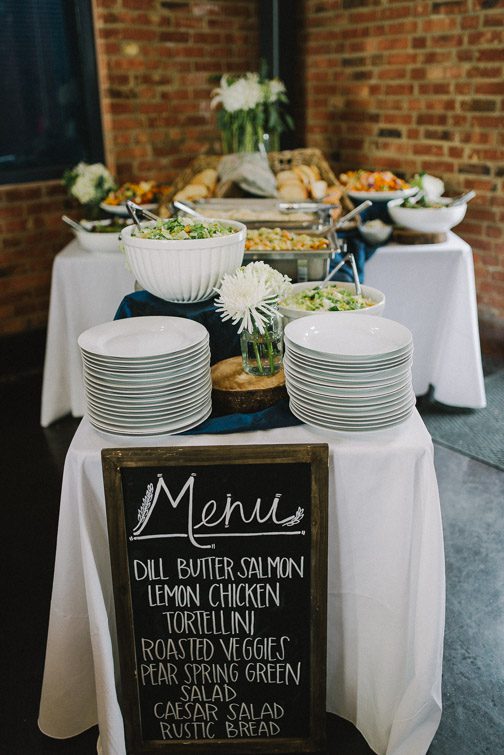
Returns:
<point x="219" y="569"/>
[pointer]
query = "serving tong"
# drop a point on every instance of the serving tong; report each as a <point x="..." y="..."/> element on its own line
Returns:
<point x="347" y="257"/>
<point x="330" y="229"/>
<point x="134" y="208"/>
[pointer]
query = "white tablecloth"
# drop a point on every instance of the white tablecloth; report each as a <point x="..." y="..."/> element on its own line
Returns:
<point x="385" y="588"/>
<point x="86" y="289"/>
<point x="430" y="289"/>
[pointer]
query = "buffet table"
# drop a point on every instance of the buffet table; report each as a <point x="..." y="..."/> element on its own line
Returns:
<point x="86" y="288"/>
<point x="430" y="289"/>
<point x="385" y="587"/>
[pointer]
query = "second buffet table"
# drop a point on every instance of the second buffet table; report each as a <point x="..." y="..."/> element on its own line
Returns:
<point x="86" y="288"/>
<point x="428" y="288"/>
<point x="385" y="587"/>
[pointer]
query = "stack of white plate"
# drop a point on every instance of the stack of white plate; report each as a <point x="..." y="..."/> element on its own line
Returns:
<point x="349" y="373"/>
<point x="147" y="375"/>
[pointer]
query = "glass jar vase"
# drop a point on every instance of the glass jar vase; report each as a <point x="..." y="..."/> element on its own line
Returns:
<point x="262" y="352"/>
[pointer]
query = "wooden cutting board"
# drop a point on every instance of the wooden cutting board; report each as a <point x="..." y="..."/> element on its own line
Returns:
<point x="406" y="236"/>
<point x="234" y="390"/>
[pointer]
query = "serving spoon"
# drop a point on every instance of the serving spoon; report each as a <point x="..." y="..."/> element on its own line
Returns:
<point x="75" y="226"/>
<point x="462" y="199"/>
<point x="356" y="211"/>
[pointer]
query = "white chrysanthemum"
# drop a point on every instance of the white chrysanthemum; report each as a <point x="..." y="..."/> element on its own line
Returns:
<point x="279" y="284"/>
<point x="250" y="296"/>
<point x="243" y="94"/>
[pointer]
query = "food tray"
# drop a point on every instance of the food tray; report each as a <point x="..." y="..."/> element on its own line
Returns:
<point x="301" y="216"/>
<point x="300" y="265"/>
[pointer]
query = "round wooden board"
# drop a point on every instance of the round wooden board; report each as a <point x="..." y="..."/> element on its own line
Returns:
<point x="233" y="390"/>
<point x="407" y="236"/>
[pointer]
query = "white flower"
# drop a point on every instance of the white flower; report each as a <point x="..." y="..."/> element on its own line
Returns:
<point x="90" y="183"/>
<point x="250" y="296"/>
<point x="274" y="88"/>
<point x="84" y="189"/>
<point x="243" y="94"/>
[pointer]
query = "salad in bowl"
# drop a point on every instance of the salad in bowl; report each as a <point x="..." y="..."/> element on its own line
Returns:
<point x="312" y="298"/>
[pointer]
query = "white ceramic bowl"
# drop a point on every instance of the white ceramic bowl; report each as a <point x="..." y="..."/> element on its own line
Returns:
<point x="427" y="219"/>
<point x="375" y="231"/>
<point x="289" y="313"/>
<point x="95" y="241"/>
<point x="185" y="270"/>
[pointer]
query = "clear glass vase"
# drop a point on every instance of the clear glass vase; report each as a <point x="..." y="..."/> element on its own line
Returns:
<point x="262" y="352"/>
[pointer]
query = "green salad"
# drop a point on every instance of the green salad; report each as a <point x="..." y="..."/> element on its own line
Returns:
<point x="113" y="227"/>
<point x="185" y="228"/>
<point x="411" y="204"/>
<point x="330" y="298"/>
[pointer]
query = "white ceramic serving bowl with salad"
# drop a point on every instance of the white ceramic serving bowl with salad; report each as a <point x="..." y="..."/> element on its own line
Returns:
<point x="100" y="235"/>
<point x="184" y="269"/>
<point x="309" y="299"/>
<point x="435" y="218"/>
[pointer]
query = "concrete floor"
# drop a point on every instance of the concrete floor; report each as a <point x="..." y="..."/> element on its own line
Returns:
<point x="472" y="497"/>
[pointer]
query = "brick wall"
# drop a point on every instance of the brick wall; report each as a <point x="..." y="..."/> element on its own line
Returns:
<point x="156" y="59"/>
<point x="416" y="86"/>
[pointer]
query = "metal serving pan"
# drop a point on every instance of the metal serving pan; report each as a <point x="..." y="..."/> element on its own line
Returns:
<point x="303" y="264"/>
<point x="256" y="212"/>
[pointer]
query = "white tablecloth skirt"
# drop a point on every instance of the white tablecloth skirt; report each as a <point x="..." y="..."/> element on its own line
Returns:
<point x="385" y="588"/>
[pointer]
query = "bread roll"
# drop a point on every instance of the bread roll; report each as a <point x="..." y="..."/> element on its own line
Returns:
<point x="192" y="192"/>
<point x="318" y="189"/>
<point x="333" y="194"/>
<point x="207" y="177"/>
<point x="285" y="175"/>
<point x="293" y="192"/>
<point x="307" y="173"/>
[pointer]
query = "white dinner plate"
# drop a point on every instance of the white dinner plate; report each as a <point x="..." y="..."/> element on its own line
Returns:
<point x="122" y="210"/>
<point x="151" y="401"/>
<point x="355" y="416"/>
<point x="182" y="385"/>
<point x="347" y="421"/>
<point x="364" y="379"/>
<point x="338" y="368"/>
<point x="149" y="380"/>
<point x="348" y="365"/>
<point x="140" y="337"/>
<point x="380" y="196"/>
<point x="147" y="376"/>
<point x="355" y="402"/>
<point x="184" y="356"/>
<point x="143" y="397"/>
<point x="348" y="337"/>
<point x="345" y="428"/>
<point x="356" y="392"/>
<point x="142" y="416"/>
<point x="170" y="428"/>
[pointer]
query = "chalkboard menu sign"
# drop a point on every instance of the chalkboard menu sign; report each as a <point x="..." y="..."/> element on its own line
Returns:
<point x="219" y="562"/>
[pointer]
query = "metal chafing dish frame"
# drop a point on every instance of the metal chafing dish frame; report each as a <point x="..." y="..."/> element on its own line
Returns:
<point x="319" y="211"/>
<point x="309" y="264"/>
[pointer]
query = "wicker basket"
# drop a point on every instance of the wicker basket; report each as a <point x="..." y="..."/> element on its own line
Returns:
<point x="278" y="161"/>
